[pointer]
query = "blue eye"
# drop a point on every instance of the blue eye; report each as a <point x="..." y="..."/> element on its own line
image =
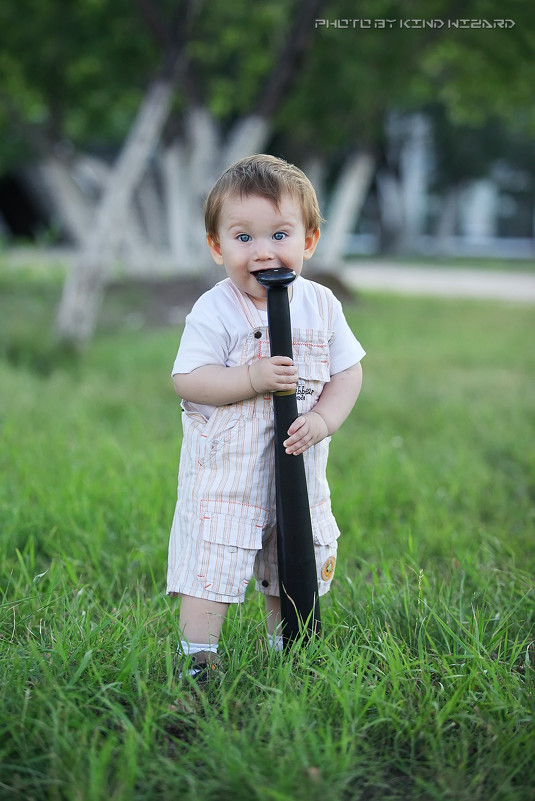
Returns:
<point x="243" y="238"/>
<point x="279" y="236"/>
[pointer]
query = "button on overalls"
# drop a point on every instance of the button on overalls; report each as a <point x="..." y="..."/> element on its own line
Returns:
<point x="225" y="517"/>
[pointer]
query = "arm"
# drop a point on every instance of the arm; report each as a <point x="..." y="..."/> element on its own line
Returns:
<point x="217" y="385"/>
<point x="336" y="401"/>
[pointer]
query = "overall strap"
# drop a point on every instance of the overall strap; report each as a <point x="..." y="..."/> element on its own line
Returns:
<point x="325" y="304"/>
<point x="246" y="308"/>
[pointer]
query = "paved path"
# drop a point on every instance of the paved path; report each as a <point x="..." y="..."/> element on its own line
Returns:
<point x="453" y="282"/>
<point x="382" y="276"/>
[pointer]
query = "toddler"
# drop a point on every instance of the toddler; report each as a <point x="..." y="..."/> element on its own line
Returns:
<point x="261" y="213"/>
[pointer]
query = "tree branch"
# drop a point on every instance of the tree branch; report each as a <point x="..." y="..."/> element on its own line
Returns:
<point x="291" y="55"/>
<point x="151" y="14"/>
<point x="172" y="36"/>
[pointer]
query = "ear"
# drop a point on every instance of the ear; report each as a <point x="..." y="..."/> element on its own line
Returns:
<point x="311" y="241"/>
<point x="215" y="249"/>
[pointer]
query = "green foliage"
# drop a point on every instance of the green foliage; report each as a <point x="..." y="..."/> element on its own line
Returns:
<point x="74" y="70"/>
<point x="487" y="72"/>
<point x="234" y="47"/>
<point x="422" y="685"/>
<point x="77" y="71"/>
<point x="352" y="77"/>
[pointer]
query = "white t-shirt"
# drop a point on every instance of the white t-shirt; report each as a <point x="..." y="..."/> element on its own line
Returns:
<point x="216" y="328"/>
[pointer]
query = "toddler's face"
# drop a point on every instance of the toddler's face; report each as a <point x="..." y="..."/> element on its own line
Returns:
<point x="255" y="235"/>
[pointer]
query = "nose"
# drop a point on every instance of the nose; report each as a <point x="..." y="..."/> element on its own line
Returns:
<point x="263" y="250"/>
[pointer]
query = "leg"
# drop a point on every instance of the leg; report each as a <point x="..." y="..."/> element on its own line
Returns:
<point x="201" y="620"/>
<point x="273" y="609"/>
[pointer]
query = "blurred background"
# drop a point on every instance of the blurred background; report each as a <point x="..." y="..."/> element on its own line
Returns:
<point x="415" y="122"/>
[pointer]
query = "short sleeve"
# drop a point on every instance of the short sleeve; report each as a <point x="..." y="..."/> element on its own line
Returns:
<point x="345" y="349"/>
<point x="205" y="339"/>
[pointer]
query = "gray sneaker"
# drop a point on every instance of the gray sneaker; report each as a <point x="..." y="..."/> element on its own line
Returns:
<point x="202" y="667"/>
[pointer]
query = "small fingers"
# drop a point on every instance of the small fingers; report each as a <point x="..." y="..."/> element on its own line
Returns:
<point x="298" y="423"/>
<point x="300" y="437"/>
<point x="286" y="377"/>
<point x="304" y="432"/>
<point x="282" y="360"/>
<point x="284" y="369"/>
<point x="299" y="447"/>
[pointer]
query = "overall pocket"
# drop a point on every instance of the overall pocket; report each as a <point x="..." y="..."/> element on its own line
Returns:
<point x="233" y="523"/>
<point x="209" y="439"/>
<point x="325" y="529"/>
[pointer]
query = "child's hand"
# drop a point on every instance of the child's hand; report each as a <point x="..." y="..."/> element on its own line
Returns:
<point x="274" y="374"/>
<point x="304" y="432"/>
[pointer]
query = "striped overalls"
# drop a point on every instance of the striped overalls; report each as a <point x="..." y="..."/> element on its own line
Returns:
<point x="224" y="526"/>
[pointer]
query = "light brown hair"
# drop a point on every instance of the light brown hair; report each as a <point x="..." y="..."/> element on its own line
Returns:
<point x="265" y="176"/>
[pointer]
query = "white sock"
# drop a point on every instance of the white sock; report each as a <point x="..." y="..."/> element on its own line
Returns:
<point x="190" y="648"/>
<point x="275" y="641"/>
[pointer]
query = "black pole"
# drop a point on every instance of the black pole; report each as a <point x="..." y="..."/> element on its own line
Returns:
<point x="295" y="547"/>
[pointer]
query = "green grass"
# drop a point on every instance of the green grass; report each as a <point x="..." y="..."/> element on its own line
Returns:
<point x="422" y="685"/>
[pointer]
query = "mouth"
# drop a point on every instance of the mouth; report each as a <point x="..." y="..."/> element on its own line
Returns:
<point x="275" y="277"/>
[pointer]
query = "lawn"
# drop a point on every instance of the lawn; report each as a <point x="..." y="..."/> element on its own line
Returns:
<point x="422" y="684"/>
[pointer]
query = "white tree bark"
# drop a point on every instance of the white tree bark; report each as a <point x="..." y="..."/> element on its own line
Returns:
<point x="92" y="175"/>
<point x="445" y="230"/>
<point x="315" y="169"/>
<point x="83" y="288"/>
<point x="391" y="208"/>
<point x="480" y="202"/>
<point x="148" y="202"/>
<point x="73" y="210"/>
<point x="414" y="161"/>
<point x="204" y="146"/>
<point x="248" y="136"/>
<point x="346" y="205"/>
<point x="177" y="194"/>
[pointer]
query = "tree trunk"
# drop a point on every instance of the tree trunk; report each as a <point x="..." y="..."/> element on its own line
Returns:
<point x="346" y="205"/>
<point x="149" y="208"/>
<point x="83" y="288"/>
<point x="93" y="175"/>
<point x="447" y="221"/>
<point x="204" y="147"/>
<point x="414" y="170"/>
<point x="315" y="169"/>
<point x="177" y="193"/>
<point x="391" y="210"/>
<point x="51" y="182"/>
<point x="248" y="136"/>
<point x="480" y="201"/>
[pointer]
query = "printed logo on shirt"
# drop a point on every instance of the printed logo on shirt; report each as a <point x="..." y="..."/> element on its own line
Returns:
<point x="303" y="391"/>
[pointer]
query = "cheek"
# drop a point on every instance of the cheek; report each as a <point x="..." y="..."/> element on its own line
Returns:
<point x="235" y="254"/>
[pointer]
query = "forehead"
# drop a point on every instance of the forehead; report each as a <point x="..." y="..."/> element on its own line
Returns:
<point x="238" y="208"/>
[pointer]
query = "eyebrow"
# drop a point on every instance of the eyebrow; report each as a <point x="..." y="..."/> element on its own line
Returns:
<point x="246" y="224"/>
